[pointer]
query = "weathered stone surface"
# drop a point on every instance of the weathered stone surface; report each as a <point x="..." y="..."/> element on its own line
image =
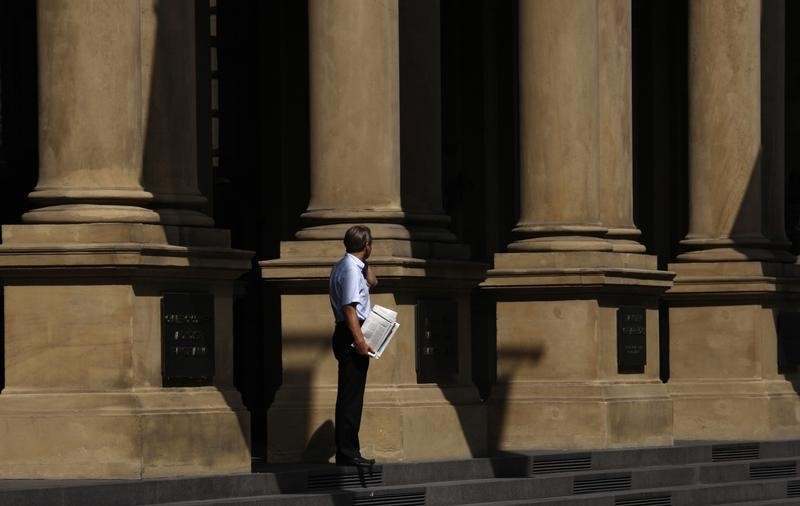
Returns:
<point x="83" y="351"/>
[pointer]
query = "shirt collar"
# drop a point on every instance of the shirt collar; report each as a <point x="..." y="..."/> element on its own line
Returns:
<point x="355" y="259"/>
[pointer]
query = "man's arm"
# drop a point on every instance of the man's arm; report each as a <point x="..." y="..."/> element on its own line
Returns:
<point x="351" y="319"/>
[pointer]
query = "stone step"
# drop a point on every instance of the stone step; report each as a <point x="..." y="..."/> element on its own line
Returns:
<point x="549" y="463"/>
<point x="739" y="494"/>
<point x="134" y="492"/>
<point x="532" y="475"/>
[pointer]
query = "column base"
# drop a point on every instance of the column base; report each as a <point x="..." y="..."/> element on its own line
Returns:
<point x="724" y="322"/>
<point x="123" y="435"/>
<point x="90" y="213"/>
<point x="526" y="415"/>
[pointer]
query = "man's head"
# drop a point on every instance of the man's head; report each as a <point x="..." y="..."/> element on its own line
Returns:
<point x="357" y="239"/>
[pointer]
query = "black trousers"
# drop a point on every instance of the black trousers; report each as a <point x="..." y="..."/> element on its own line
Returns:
<point x="350" y="394"/>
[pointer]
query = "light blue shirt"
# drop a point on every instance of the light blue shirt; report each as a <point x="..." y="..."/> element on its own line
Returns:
<point x="347" y="286"/>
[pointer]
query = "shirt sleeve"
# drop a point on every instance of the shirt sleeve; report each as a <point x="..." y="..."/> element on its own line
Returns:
<point x="349" y="293"/>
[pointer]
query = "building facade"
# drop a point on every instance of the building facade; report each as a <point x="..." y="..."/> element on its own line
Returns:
<point x="584" y="212"/>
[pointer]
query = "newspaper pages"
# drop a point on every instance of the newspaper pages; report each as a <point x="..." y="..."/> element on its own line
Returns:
<point x="379" y="328"/>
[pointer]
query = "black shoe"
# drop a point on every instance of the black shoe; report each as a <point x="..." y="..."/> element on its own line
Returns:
<point x="355" y="461"/>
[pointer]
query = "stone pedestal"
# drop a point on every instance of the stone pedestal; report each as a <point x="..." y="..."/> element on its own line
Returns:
<point x="724" y="325"/>
<point x="735" y="275"/>
<point x="576" y="259"/>
<point x="402" y="419"/>
<point x="558" y="384"/>
<point x="84" y="396"/>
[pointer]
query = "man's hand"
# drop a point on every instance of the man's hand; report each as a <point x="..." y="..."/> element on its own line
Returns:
<point x="362" y="347"/>
<point x="372" y="280"/>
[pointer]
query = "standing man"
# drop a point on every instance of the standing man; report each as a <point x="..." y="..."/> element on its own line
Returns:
<point x="351" y="279"/>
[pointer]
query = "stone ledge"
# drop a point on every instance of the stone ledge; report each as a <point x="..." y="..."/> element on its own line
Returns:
<point x="118" y="249"/>
<point x="733" y="279"/>
<point x="113" y="233"/>
<point x="393" y="247"/>
<point x="389" y="270"/>
<point x="586" y="272"/>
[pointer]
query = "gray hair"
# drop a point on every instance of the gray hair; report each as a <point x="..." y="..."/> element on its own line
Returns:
<point x="357" y="238"/>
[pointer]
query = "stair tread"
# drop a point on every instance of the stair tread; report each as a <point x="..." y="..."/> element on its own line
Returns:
<point x="647" y="492"/>
<point x="578" y="499"/>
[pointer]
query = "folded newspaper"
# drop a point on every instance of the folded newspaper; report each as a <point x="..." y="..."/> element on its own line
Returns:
<point x="379" y="329"/>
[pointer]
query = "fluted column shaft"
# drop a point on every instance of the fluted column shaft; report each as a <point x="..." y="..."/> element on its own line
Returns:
<point x="726" y="175"/>
<point x="354" y="107"/>
<point x="90" y="143"/>
<point x="575" y="126"/>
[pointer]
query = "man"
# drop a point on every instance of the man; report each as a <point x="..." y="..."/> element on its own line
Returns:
<point x="351" y="279"/>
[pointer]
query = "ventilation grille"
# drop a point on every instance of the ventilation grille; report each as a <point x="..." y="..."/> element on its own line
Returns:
<point x="345" y="480"/>
<point x="724" y="453"/>
<point x="653" y="500"/>
<point x="768" y="471"/>
<point x="606" y="483"/>
<point x="561" y="463"/>
<point x="793" y="489"/>
<point x="415" y="498"/>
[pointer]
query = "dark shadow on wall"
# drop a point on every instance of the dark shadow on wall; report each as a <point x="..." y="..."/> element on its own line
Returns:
<point x="479" y="159"/>
<point x="792" y="183"/>
<point x="466" y="65"/>
<point x="513" y="359"/>
<point x="261" y="184"/>
<point x="19" y="148"/>
<point x="479" y="122"/>
<point x="660" y="136"/>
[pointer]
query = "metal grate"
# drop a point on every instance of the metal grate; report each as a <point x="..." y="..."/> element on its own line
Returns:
<point x="653" y="500"/>
<point x="561" y="463"/>
<point x="327" y="481"/>
<point x="769" y="471"/>
<point x="415" y="498"/>
<point x="604" y="483"/>
<point x="745" y="451"/>
<point x="793" y="489"/>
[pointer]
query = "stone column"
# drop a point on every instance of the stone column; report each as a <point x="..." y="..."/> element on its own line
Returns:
<point x="90" y="142"/>
<point x="356" y="177"/>
<point x="615" y="142"/>
<point x="355" y="117"/>
<point x="558" y="128"/>
<point x="575" y="122"/>
<point x="564" y="283"/>
<point x="726" y="208"/>
<point x="169" y="111"/>
<point x="732" y="289"/>
<point x="118" y="329"/>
